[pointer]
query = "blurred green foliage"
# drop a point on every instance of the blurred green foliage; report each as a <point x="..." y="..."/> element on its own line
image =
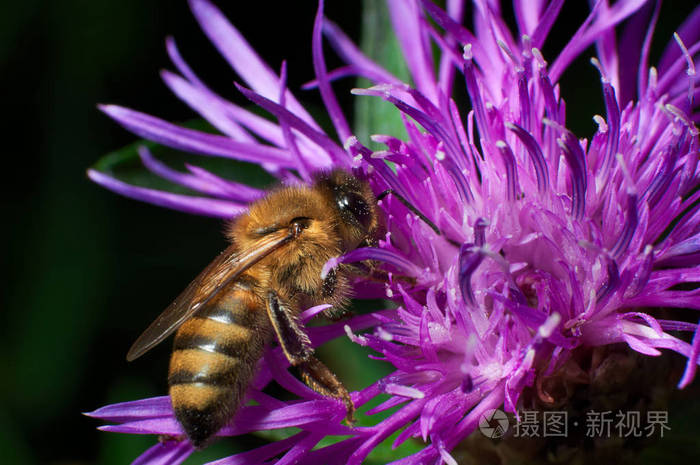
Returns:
<point x="378" y="42"/>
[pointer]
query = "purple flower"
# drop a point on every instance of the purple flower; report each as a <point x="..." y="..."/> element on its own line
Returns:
<point x="536" y="245"/>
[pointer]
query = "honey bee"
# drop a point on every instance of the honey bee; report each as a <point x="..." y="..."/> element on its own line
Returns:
<point x="254" y="291"/>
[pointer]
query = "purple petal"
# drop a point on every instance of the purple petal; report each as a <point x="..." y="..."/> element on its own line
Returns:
<point x="236" y="191"/>
<point x="634" y="50"/>
<point x="404" y="391"/>
<point x="303" y="165"/>
<point x="651" y="321"/>
<point x="136" y="409"/>
<point x="577" y="164"/>
<point x="512" y="186"/>
<point x="689" y="33"/>
<point x="180" y="63"/>
<point x="350" y="54"/>
<point x="671" y="325"/>
<point x="256" y="418"/>
<point x="613" y="113"/>
<point x="259" y="126"/>
<point x="282" y="113"/>
<point x="693" y="361"/>
<point x="334" y="111"/>
<point x="242" y="57"/>
<point x="261" y="454"/>
<point x="161" y="426"/>
<point x="672" y="299"/>
<point x="311" y="312"/>
<point x="185" y="203"/>
<point x="338" y="452"/>
<point x="527" y="14"/>
<point x="393" y="423"/>
<point x="300" y="449"/>
<point x="682" y="254"/>
<point x="207" y="104"/>
<point x="643" y="67"/>
<point x="165" y="133"/>
<point x="535" y="152"/>
<point x="469" y="261"/>
<point x="346" y="71"/>
<point x="429" y="119"/>
<point x="167" y="453"/>
<point x="385" y="256"/>
<point x="640" y="345"/>
<point x="611" y="285"/>
<point x="673" y="73"/>
<point x="202" y="180"/>
<point x="464" y="36"/>
<point x="473" y="89"/>
<point x="663" y="177"/>
<point x="405" y="17"/>
<point x="545" y="22"/>
<point x="590" y="30"/>
<point x="628" y="229"/>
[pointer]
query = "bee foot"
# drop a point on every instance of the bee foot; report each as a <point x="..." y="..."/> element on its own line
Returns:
<point x="163" y="438"/>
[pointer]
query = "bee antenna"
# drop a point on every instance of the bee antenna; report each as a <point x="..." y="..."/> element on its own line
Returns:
<point x="410" y="207"/>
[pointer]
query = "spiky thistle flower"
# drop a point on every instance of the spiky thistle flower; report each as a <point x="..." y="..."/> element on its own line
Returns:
<point x="537" y="246"/>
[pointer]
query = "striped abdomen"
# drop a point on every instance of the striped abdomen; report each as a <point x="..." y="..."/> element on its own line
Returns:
<point x="214" y="360"/>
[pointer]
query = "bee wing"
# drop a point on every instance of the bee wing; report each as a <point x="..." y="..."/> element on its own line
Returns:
<point x="217" y="275"/>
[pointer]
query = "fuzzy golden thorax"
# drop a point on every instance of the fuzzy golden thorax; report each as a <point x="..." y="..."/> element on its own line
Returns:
<point x="338" y="213"/>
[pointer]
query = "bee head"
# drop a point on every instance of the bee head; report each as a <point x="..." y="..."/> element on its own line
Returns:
<point x="355" y="204"/>
<point x="339" y="210"/>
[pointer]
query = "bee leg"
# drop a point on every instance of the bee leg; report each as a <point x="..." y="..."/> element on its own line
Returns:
<point x="333" y="291"/>
<point x="322" y="380"/>
<point x="297" y="348"/>
<point x="163" y="438"/>
<point x="368" y="269"/>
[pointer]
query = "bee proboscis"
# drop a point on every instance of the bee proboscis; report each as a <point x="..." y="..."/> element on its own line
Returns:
<point x="254" y="291"/>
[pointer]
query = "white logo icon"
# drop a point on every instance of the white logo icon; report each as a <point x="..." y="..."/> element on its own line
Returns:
<point x="493" y="423"/>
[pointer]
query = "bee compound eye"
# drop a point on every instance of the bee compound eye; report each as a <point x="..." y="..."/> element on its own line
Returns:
<point x="355" y="205"/>
<point x="299" y="223"/>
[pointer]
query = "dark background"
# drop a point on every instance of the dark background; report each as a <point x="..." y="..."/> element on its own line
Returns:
<point x="87" y="270"/>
